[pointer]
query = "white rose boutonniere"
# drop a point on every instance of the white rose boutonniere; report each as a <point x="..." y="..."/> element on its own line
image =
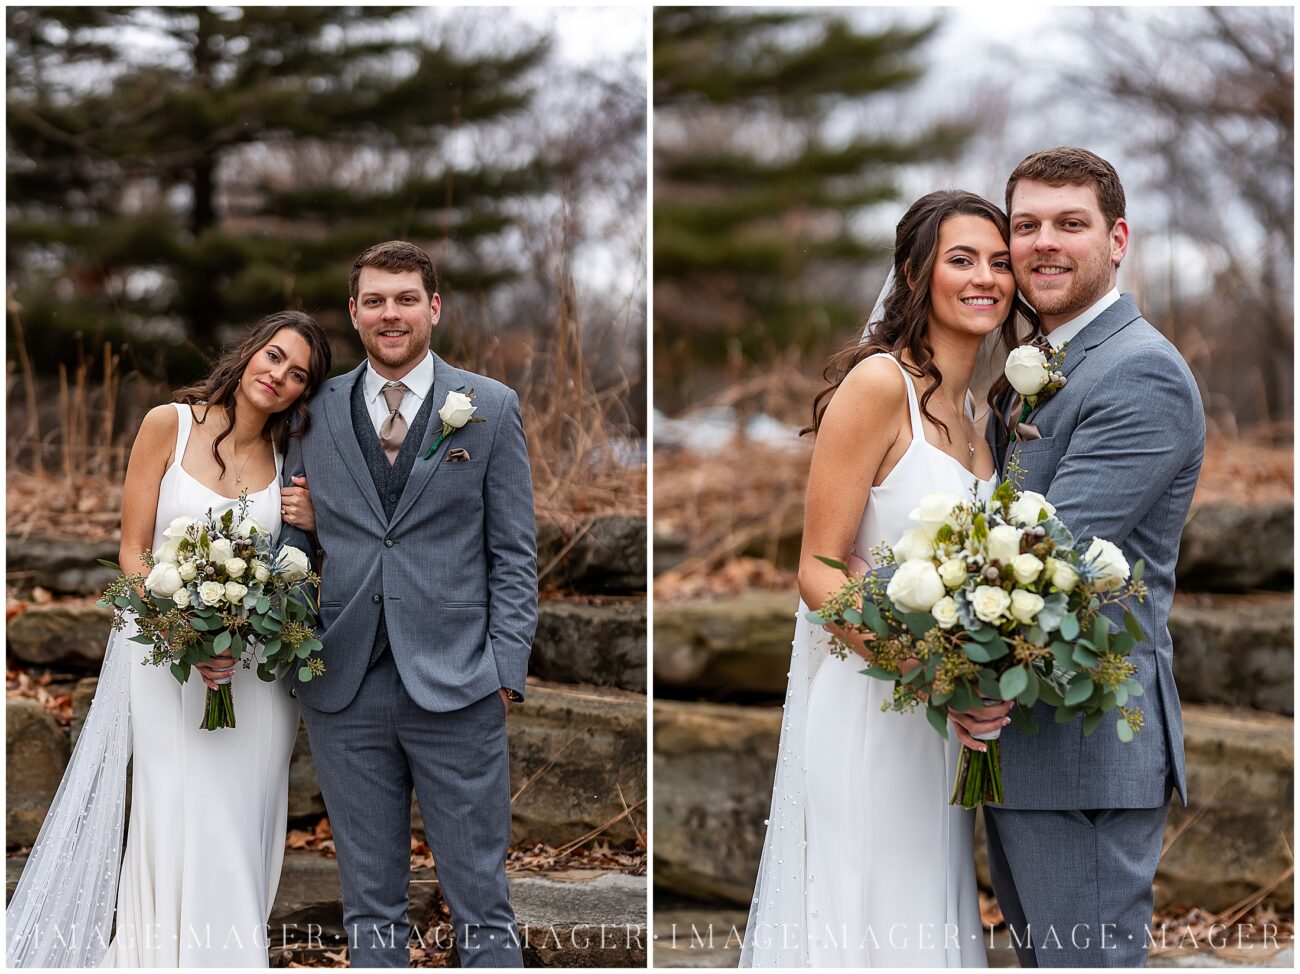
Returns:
<point x="1035" y="376"/>
<point x="456" y="412"/>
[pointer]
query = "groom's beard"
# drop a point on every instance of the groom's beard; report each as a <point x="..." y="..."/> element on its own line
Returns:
<point x="1083" y="285"/>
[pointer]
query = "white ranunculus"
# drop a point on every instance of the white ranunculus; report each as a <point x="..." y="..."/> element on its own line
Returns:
<point x="953" y="572"/>
<point x="456" y="410"/>
<point x="178" y="528"/>
<point x="990" y="603"/>
<point x="260" y="572"/>
<point x="945" y="612"/>
<point x="1003" y="544"/>
<point x="235" y="567"/>
<point x="188" y="570"/>
<point x="915" y="587"/>
<point x="163" y="580"/>
<point x="220" y="551"/>
<point x="182" y="598"/>
<point x="247" y="526"/>
<point x="1028" y="507"/>
<point x="1062" y="575"/>
<point x="293" y="563"/>
<point x="212" y="593"/>
<point x="934" y="512"/>
<point x="914" y="545"/>
<point x="1026" y="568"/>
<point x="1025" y="606"/>
<point x="1026" y="370"/>
<point x="169" y="552"/>
<point x="1108" y="564"/>
<point x="235" y="592"/>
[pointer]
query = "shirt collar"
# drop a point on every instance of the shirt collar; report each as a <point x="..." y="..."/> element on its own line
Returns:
<point x="1059" y="336"/>
<point x="419" y="380"/>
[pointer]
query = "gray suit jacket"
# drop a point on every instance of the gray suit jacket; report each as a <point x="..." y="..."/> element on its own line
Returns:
<point x="1120" y="454"/>
<point x="455" y="568"/>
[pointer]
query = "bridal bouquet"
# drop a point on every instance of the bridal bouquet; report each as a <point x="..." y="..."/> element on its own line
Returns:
<point x="216" y="589"/>
<point x="995" y="601"/>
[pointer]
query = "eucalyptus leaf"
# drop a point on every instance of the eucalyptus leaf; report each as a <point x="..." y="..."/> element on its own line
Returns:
<point x="304" y="675"/>
<point x="1069" y="626"/>
<point x="839" y="566"/>
<point x="938" y="718"/>
<point x="1022" y="721"/>
<point x="1013" y="682"/>
<point x="1079" y="691"/>
<point x="1124" y="730"/>
<point x="1091" y="722"/>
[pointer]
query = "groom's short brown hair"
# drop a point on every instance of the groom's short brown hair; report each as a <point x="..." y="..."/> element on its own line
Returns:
<point x="396" y="255"/>
<point x="1077" y="167"/>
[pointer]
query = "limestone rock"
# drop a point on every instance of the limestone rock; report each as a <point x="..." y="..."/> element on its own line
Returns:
<point x="1235" y="650"/>
<point x="36" y="752"/>
<point x="581" y="918"/>
<point x="605" y="553"/>
<point x="581" y="642"/>
<point x="1233" y="547"/>
<point x="65" y="567"/>
<point x="739" y="645"/>
<point x="64" y="634"/>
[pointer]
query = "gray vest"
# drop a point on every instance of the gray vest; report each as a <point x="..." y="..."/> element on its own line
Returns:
<point x="389" y="481"/>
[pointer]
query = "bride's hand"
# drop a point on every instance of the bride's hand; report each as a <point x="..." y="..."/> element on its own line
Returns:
<point x="857" y="566"/>
<point x="217" y="669"/>
<point x="296" y="506"/>
<point x="980" y="720"/>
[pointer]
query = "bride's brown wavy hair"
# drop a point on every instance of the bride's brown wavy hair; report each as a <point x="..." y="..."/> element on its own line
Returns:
<point x="904" y="324"/>
<point x="218" y="389"/>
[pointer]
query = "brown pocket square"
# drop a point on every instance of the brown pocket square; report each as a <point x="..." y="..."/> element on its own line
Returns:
<point x="1028" y="431"/>
<point x="457" y="456"/>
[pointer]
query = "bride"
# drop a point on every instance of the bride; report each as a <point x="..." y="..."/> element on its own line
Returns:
<point x="206" y="837"/>
<point x="865" y="863"/>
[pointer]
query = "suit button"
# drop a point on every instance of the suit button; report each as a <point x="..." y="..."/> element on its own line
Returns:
<point x="392" y="497"/>
<point x="388" y="542"/>
<point x="375" y="599"/>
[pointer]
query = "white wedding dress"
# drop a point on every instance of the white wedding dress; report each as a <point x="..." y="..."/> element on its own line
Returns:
<point x="865" y="863"/>
<point x="205" y="842"/>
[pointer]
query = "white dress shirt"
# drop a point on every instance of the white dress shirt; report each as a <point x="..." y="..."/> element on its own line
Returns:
<point x="419" y="381"/>
<point x="1061" y="334"/>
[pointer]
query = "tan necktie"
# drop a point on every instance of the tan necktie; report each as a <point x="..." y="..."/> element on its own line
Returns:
<point x="393" y="429"/>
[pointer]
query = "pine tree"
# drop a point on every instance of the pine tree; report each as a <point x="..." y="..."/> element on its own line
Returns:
<point x="175" y="173"/>
<point x="756" y="192"/>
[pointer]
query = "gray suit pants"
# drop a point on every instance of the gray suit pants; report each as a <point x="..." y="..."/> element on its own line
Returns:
<point x="1075" y="886"/>
<point x="367" y="758"/>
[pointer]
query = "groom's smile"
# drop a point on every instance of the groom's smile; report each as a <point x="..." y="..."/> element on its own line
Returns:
<point x="394" y="317"/>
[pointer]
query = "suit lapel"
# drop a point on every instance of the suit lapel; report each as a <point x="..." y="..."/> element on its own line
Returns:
<point x="445" y="380"/>
<point x="338" y="415"/>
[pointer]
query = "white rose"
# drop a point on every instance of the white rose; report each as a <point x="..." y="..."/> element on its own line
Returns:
<point x="1108" y="564"/>
<point x="181" y="597"/>
<point x="945" y="612"/>
<point x="915" y="587"/>
<point x="914" y="545"/>
<point x="179" y="528"/>
<point x="1003" y="544"/>
<point x="235" y="567"/>
<point x="169" y="552"/>
<point x="188" y="570"/>
<point x="247" y="526"/>
<point x="293" y="563"/>
<point x="1026" y="370"/>
<point x="1025" y="606"/>
<point x="934" y="512"/>
<point x="953" y="572"/>
<point x="1026" y="509"/>
<point x="260" y="572"/>
<point x="456" y="410"/>
<point x="235" y="592"/>
<point x="220" y="551"/>
<point x="1026" y="568"/>
<point x="990" y="602"/>
<point x="163" y="580"/>
<point x="212" y="593"/>
<point x="1062" y="575"/>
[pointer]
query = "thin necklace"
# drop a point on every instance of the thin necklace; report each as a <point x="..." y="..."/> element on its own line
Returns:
<point x="970" y="444"/>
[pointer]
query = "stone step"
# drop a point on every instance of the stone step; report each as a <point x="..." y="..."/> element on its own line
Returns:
<point x="1226" y="546"/>
<point x="576" y="755"/>
<point x="599" y="642"/>
<point x="594" y="643"/>
<point x="741" y="646"/>
<point x="569" y="918"/>
<point x="714" y="763"/>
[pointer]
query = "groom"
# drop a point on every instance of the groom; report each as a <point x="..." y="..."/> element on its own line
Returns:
<point x="428" y="602"/>
<point x="1074" y="848"/>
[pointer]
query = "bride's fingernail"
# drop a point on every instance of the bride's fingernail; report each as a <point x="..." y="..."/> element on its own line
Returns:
<point x="1005" y="721"/>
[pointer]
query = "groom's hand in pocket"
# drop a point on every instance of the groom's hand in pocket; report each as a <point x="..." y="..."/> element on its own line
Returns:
<point x="980" y="720"/>
<point x="505" y="698"/>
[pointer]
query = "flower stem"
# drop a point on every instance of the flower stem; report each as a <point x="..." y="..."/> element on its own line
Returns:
<point x="220" y="709"/>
